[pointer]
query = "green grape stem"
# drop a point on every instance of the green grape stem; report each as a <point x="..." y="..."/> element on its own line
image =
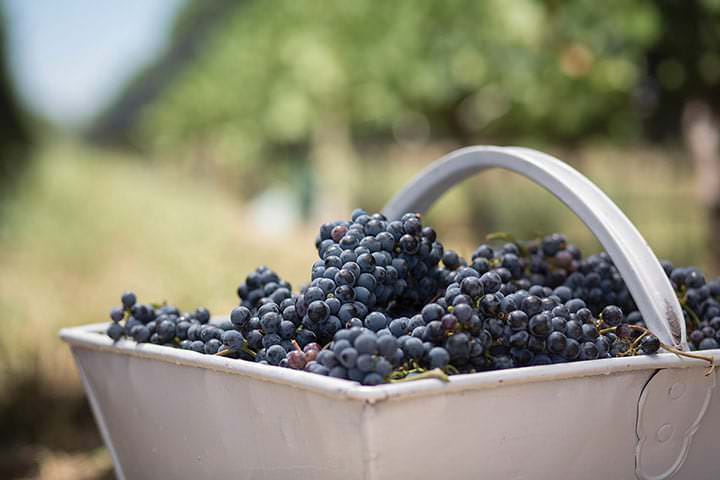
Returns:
<point x="644" y="332"/>
<point x="711" y="361"/>
<point x="436" y="373"/>
<point x="228" y="352"/>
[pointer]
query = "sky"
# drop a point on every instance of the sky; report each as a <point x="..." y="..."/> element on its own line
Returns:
<point x="69" y="58"/>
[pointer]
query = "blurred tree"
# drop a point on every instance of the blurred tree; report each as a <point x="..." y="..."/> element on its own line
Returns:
<point x="681" y="88"/>
<point x="272" y="80"/>
<point x="683" y="65"/>
<point x="460" y="68"/>
<point x="114" y="125"/>
<point x="14" y="134"/>
<point x="331" y="74"/>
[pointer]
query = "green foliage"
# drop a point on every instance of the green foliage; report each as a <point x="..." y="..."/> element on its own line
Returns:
<point x="271" y="72"/>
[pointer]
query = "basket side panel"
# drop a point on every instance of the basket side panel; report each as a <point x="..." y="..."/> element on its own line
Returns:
<point x="575" y="428"/>
<point x="172" y="421"/>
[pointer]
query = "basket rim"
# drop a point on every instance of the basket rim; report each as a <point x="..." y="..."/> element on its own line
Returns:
<point x="92" y="337"/>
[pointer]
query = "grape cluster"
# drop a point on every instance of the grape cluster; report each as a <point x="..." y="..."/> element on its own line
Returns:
<point x="368" y="265"/>
<point x="596" y="281"/>
<point x="165" y="325"/>
<point x="553" y="262"/>
<point x="376" y="263"/>
<point x="386" y="301"/>
<point x="475" y="327"/>
<point x="260" y="284"/>
<point x="599" y="283"/>
<point x="361" y="355"/>
<point x="264" y="331"/>
<point x="701" y="305"/>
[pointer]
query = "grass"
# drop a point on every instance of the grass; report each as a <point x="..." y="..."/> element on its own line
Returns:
<point x="88" y="224"/>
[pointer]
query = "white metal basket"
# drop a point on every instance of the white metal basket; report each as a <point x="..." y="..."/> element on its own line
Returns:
<point x="173" y="414"/>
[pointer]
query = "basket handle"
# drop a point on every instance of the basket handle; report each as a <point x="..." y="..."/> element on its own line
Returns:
<point x="631" y="254"/>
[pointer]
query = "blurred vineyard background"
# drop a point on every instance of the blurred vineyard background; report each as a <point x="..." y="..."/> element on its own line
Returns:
<point x="248" y="123"/>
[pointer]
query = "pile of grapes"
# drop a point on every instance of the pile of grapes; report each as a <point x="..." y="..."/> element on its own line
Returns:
<point x="386" y="302"/>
